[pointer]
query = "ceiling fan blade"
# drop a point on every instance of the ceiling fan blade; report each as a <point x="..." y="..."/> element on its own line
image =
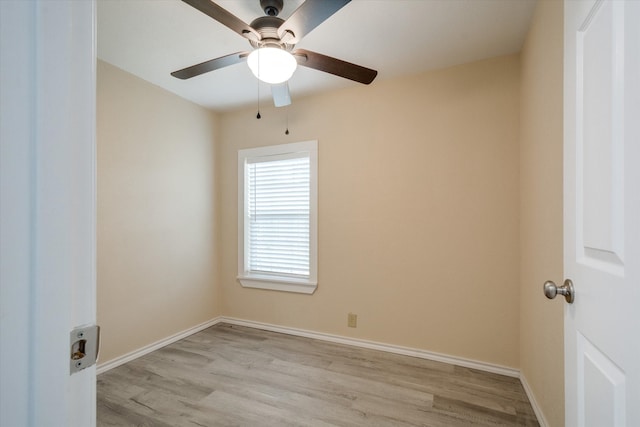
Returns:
<point x="213" y="64"/>
<point x="281" y="94"/>
<point x="335" y="66"/>
<point x="308" y="16"/>
<point x="224" y="17"/>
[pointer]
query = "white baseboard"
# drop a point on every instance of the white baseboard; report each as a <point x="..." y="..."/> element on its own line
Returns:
<point x="534" y="403"/>
<point x="390" y="348"/>
<point x="104" y="367"/>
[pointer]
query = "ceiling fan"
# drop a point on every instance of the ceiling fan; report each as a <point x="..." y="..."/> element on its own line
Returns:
<point x="274" y="59"/>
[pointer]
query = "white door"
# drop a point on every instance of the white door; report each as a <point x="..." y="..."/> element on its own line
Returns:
<point x="602" y="212"/>
<point x="47" y="214"/>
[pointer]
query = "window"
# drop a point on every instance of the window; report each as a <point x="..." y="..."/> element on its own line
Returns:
<point x="277" y="217"/>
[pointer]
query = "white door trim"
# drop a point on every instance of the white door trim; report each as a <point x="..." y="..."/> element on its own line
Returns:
<point x="47" y="209"/>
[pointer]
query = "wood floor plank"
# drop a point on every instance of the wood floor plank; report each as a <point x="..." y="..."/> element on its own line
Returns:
<point x="237" y="376"/>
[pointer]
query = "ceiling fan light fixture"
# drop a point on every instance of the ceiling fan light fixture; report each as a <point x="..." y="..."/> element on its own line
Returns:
<point x="272" y="65"/>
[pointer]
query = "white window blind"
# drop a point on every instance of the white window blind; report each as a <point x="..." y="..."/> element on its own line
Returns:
<point x="278" y="215"/>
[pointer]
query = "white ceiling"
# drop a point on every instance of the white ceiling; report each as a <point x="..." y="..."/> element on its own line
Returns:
<point x="152" y="38"/>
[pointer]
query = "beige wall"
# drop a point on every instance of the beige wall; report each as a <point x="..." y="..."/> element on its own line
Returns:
<point x="156" y="213"/>
<point x="418" y="211"/>
<point x="541" y="320"/>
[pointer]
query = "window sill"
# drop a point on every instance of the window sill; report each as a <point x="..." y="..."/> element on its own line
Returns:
<point x="278" y="284"/>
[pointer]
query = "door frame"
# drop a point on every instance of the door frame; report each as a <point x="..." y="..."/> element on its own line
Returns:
<point x="47" y="209"/>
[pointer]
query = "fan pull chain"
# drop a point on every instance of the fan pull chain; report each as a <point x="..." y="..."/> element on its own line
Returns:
<point x="286" y="132"/>
<point x="258" y="116"/>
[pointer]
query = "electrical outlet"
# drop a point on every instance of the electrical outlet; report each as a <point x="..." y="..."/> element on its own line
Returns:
<point x="352" y="320"/>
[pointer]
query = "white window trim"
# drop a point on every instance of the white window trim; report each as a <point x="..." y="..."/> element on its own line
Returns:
<point x="277" y="282"/>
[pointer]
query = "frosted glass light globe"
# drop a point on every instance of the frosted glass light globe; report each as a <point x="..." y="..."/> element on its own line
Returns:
<point x="272" y="65"/>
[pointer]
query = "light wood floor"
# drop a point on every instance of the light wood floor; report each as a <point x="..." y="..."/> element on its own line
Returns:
<point x="236" y="376"/>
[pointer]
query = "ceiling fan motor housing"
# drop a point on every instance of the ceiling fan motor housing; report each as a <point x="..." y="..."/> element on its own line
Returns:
<point x="267" y="27"/>
<point x="271" y="7"/>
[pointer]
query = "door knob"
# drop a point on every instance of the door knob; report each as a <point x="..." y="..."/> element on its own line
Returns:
<point x="551" y="290"/>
